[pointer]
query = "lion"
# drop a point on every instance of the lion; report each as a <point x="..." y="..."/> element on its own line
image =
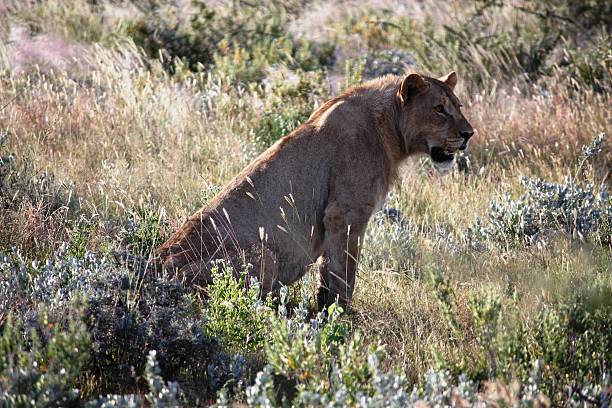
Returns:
<point x="306" y="200"/>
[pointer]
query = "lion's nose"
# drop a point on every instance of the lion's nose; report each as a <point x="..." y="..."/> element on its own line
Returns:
<point x="466" y="134"/>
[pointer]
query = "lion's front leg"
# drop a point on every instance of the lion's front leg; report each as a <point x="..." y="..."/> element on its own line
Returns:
<point x="343" y="231"/>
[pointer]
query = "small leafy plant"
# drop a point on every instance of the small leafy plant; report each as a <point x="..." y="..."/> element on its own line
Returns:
<point x="236" y="315"/>
<point x="145" y="229"/>
<point x="40" y="364"/>
<point x="276" y="124"/>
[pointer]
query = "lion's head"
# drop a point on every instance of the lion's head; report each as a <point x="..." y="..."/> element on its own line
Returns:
<point x="432" y="118"/>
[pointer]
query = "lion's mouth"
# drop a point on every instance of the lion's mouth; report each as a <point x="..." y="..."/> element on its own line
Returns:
<point x="440" y="155"/>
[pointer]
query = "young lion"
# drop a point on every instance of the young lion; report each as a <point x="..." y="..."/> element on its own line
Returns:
<point x="309" y="197"/>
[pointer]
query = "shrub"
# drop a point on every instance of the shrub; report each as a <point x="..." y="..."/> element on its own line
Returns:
<point x="564" y="352"/>
<point x="127" y="315"/>
<point x="241" y="40"/>
<point x="314" y="362"/>
<point x="142" y="313"/>
<point x="388" y="244"/>
<point x="319" y="363"/>
<point x="549" y="208"/>
<point x="575" y="342"/>
<point x="41" y="359"/>
<point x="41" y="362"/>
<point x="276" y="124"/>
<point x="235" y="313"/>
<point x="145" y="229"/>
<point x="160" y="393"/>
<point x="546" y="208"/>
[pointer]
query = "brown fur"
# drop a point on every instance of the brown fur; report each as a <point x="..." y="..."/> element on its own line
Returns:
<point x="309" y="196"/>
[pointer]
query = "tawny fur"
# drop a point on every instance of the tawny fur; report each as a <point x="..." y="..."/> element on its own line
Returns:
<point x="309" y="197"/>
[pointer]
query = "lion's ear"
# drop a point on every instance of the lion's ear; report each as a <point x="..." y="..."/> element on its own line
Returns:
<point x="450" y="79"/>
<point x="412" y="85"/>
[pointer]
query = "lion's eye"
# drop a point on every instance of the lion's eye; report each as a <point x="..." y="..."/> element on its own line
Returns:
<point x="440" y="109"/>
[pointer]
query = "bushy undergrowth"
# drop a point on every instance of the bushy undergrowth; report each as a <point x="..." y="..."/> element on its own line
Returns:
<point x="564" y="353"/>
<point x="240" y="39"/>
<point x="41" y="359"/>
<point x="562" y="342"/>
<point x="235" y="315"/>
<point x="546" y="209"/>
<point x="320" y="362"/>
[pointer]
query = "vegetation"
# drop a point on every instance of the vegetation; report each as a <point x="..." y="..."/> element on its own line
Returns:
<point x="491" y="285"/>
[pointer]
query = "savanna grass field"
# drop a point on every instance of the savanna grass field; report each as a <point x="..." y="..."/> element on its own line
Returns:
<point x="488" y="286"/>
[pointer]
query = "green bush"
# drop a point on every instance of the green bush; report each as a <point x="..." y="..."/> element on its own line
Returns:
<point x="314" y="362"/>
<point x="547" y="208"/>
<point x="290" y="96"/>
<point x="276" y="124"/>
<point x="235" y="314"/>
<point x="565" y="351"/>
<point x="40" y="363"/>
<point x="145" y="229"/>
<point x="544" y="209"/>
<point x="240" y="40"/>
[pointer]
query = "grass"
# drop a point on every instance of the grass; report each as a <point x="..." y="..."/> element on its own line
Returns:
<point x="122" y="118"/>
